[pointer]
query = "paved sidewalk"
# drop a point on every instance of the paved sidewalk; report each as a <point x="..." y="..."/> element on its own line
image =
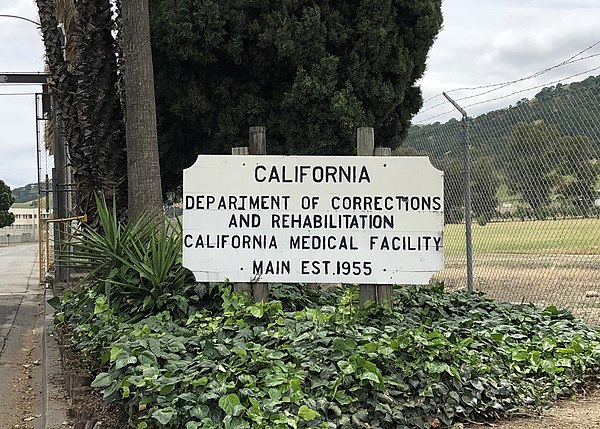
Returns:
<point x="30" y="369"/>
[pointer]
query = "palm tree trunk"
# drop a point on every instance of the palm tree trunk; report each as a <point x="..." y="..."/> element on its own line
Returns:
<point x="145" y="194"/>
<point x="84" y="83"/>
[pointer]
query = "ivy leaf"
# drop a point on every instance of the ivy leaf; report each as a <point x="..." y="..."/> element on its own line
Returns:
<point x="256" y="311"/>
<point x="229" y="402"/>
<point x="371" y="376"/>
<point x="164" y="416"/>
<point x="307" y="414"/>
<point x="114" y="352"/>
<point x="103" y="379"/>
<point x="347" y="345"/>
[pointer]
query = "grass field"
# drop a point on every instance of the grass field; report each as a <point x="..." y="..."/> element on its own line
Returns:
<point x="563" y="236"/>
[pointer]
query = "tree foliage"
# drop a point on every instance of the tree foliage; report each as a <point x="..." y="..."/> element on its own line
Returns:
<point x="6" y="200"/>
<point x="485" y="180"/>
<point x="311" y="71"/>
<point x="528" y="159"/>
<point x="579" y="172"/>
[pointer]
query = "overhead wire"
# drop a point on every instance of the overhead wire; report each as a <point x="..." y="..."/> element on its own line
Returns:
<point x="570" y="60"/>
<point x="494" y="87"/>
<point x="514" y="93"/>
<point x="501" y="85"/>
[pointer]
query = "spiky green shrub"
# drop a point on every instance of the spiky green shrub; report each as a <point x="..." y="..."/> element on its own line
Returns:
<point x="135" y="265"/>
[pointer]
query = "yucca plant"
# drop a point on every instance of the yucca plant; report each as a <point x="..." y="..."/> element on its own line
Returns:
<point x="136" y="265"/>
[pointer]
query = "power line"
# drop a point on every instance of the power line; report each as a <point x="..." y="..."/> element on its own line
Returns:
<point x="495" y="87"/>
<point x="513" y="93"/>
<point x="20" y="17"/>
<point x="569" y="60"/>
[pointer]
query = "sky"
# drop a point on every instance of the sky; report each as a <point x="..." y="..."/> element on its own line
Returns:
<point x="483" y="42"/>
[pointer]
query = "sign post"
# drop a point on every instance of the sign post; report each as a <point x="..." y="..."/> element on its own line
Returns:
<point x="369" y="220"/>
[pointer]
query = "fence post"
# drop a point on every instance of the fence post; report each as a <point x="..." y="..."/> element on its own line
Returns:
<point x="258" y="146"/>
<point x="467" y="162"/>
<point x="365" y="144"/>
<point x="468" y="205"/>
<point x="384" y="293"/>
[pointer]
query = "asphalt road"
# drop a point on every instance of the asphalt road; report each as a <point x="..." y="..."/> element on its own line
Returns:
<point x="18" y="278"/>
<point x="21" y="329"/>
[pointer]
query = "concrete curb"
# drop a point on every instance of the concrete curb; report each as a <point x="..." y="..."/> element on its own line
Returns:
<point x="54" y="396"/>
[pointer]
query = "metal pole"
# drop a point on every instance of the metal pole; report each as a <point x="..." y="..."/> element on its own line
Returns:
<point x="468" y="204"/>
<point x="59" y="193"/>
<point x="39" y="192"/>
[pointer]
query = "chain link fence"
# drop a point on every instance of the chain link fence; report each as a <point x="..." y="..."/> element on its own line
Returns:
<point x="535" y="184"/>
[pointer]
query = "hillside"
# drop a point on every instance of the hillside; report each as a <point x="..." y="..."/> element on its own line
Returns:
<point x="574" y="108"/>
<point x="25" y="193"/>
<point x="536" y="159"/>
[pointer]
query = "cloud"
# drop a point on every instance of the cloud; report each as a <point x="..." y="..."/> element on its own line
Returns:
<point x="18" y="139"/>
<point x="486" y="42"/>
<point x="21" y="51"/>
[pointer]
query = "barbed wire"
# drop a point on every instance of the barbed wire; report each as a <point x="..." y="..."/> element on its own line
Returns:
<point x="546" y="84"/>
<point x="569" y="60"/>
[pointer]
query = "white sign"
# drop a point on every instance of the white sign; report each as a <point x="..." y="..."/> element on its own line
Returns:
<point x="304" y="219"/>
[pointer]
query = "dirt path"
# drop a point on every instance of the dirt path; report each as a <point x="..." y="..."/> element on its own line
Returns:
<point x="566" y="414"/>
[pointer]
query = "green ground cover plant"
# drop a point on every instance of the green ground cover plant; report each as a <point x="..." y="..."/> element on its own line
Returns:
<point x="315" y="359"/>
<point x="437" y="359"/>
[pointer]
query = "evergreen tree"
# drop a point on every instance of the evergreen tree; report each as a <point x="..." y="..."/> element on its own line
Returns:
<point x="6" y="200"/>
<point x="311" y="71"/>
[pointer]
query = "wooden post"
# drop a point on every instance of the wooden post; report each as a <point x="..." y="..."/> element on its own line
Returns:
<point x="258" y="141"/>
<point x="258" y="146"/>
<point x="384" y="293"/>
<point x="365" y="144"/>
<point x="241" y="287"/>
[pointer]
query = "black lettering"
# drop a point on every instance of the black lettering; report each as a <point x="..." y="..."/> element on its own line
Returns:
<point x="318" y="174"/>
<point x="210" y="200"/>
<point x="437" y="241"/>
<point x="275" y="221"/>
<point x="372" y="240"/>
<point x="257" y="176"/>
<point x="335" y="202"/>
<point x="385" y="245"/>
<point x="415" y="203"/>
<point x="274" y="176"/>
<point x="426" y="203"/>
<point x="284" y="178"/>
<point x="388" y="222"/>
<point x="295" y="242"/>
<point x="303" y="172"/>
<point x="257" y="268"/>
<point x="330" y="172"/>
<point x="364" y="175"/>
<point x="189" y="202"/>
